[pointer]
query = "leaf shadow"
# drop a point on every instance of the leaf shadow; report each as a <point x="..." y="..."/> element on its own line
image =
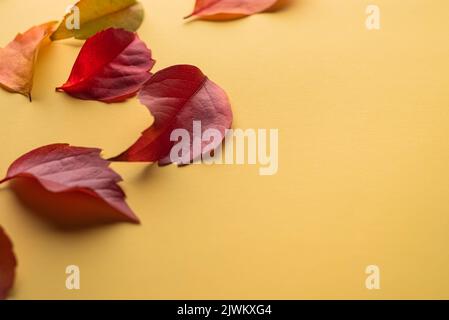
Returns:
<point x="70" y="43"/>
<point x="148" y="171"/>
<point x="283" y="5"/>
<point x="66" y="211"/>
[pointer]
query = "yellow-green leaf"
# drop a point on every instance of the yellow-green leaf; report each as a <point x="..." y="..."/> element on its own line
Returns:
<point x="98" y="15"/>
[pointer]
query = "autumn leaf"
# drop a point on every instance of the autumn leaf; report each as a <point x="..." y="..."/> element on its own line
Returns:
<point x="60" y="168"/>
<point x="230" y="9"/>
<point x="178" y="96"/>
<point x="111" y="67"/>
<point x="98" y="15"/>
<point x="18" y="58"/>
<point x="8" y="264"/>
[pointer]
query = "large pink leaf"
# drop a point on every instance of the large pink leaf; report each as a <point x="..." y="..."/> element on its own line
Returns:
<point x="60" y="168"/>
<point x="178" y="96"/>
<point x="111" y="67"/>
<point x="8" y="265"/>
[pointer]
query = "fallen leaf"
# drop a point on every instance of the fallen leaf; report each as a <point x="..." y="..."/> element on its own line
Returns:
<point x="111" y="67"/>
<point x="98" y="15"/>
<point x="8" y="265"/>
<point x="229" y="9"/>
<point x="178" y="96"/>
<point x="60" y="168"/>
<point x="17" y="59"/>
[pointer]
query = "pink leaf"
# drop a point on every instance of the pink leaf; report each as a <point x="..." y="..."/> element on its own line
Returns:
<point x="229" y="9"/>
<point x="60" y="168"/>
<point x="178" y="96"/>
<point x="8" y="265"/>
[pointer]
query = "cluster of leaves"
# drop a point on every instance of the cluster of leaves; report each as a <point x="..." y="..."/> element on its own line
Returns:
<point x="113" y="65"/>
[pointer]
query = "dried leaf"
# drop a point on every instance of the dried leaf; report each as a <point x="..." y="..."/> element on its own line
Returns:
<point x="8" y="264"/>
<point x="98" y="15"/>
<point x="178" y="96"/>
<point x="111" y="67"/>
<point x="17" y="59"/>
<point x="60" y="168"/>
<point x="229" y="9"/>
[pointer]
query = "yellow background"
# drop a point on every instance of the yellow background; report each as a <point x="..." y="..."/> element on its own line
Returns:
<point x="364" y="160"/>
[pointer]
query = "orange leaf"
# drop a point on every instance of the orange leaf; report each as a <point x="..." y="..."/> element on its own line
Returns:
<point x="18" y="57"/>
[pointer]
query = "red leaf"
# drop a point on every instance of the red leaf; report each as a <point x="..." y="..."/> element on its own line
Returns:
<point x="178" y="96"/>
<point x="60" y="168"/>
<point x="8" y="265"/>
<point x="111" y="67"/>
<point x="222" y="9"/>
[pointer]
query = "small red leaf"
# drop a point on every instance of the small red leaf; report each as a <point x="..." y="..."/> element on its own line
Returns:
<point x="8" y="265"/>
<point x="178" y="96"/>
<point x="111" y="67"/>
<point x="60" y="168"/>
<point x="222" y="9"/>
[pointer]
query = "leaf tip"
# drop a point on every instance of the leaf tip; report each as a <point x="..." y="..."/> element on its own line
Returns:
<point x="135" y="220"/>
<point x="116" y="159"/>
<point x="53" y="36"/>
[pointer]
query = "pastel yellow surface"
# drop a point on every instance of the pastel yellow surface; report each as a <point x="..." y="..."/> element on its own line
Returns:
<point x="364" y="160"/>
